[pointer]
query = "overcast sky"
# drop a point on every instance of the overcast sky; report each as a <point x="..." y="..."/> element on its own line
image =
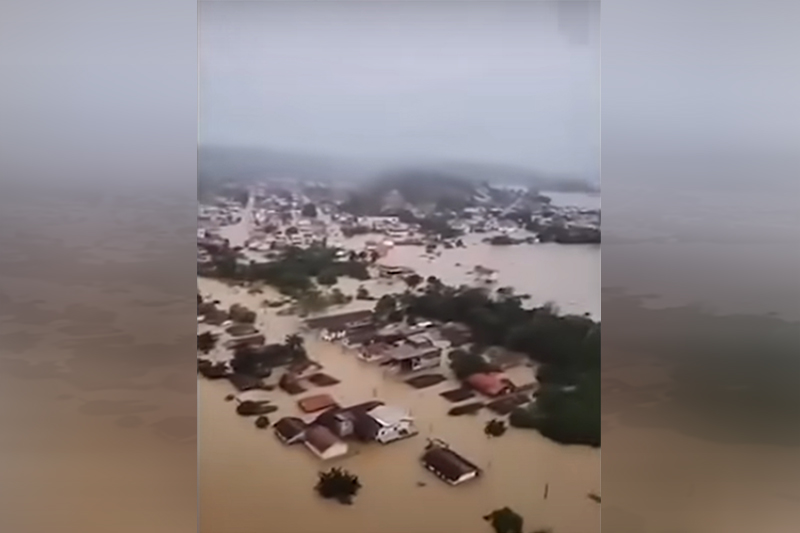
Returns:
<point x="501" y="82"/>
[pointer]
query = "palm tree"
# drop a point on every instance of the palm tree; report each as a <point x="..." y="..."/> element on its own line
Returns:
<point x="495" y="428"/>
<point x="295" y="344"/>
<point x="505" y="521"/>
<point x="338" y="484"/>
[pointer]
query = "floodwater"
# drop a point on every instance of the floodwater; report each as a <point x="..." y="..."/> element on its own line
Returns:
<point x="249" y="482"/>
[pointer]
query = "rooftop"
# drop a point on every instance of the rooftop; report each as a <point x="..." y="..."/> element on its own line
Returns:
<point x="320" y="438"/>
<point x="448" y="463"/>
<point x="289" y="427"/>
<point x="388" y="415"/>
<point x="407" y="351"/>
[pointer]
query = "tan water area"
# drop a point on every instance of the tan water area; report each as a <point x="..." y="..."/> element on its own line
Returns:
<point x="98" y="411"/>
<point x="249" y="482"/>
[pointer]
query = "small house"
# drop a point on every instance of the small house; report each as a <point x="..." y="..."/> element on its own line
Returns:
<point x="359" y="337"/>
<point x="490" y="384"/>
<point x="447" y="465"/>
<point x="323" y="443"/>
<point x="290" y="430"/>
<point x="335" y="326"/>
<point x="419" y="340"/>
<point x="373" y="352"/>
<point x="407" y="358"/>
<point x="391" y="424"/>
<point x="345" y="422"/>
<point x="315" y="403"/>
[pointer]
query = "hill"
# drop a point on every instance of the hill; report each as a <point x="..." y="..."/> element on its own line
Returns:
<point x="247" y="164"/>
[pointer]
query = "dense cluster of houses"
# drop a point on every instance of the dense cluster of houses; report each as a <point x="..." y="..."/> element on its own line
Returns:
<point x="401" y="348"/>
<point x="326" y="436"/>
<point x="224" y="212"/>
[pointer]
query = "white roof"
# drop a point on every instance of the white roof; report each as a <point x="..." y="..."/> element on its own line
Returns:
<point x="387" y="415"/>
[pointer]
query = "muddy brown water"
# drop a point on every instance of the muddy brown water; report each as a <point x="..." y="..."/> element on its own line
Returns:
<point x="249" y="481"/>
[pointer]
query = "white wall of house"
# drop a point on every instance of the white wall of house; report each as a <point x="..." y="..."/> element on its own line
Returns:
<point x="396" y="431"/>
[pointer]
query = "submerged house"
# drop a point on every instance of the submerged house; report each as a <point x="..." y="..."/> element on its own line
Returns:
<point x="490" y="384"/>
<point x="408" y="358"/>
<point x="374" y="351"/>
<point x="335" y="326"/>
<point x="447" y="465"/>
<point x="346" y="422"/>
<point x="290" y="430"/>
<point x="323" y="443"/>
<point x="389" y="424"/>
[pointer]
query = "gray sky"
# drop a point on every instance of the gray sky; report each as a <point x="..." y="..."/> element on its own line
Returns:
<point x="499" y="82"/>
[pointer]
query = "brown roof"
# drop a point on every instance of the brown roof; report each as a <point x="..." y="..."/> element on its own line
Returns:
<point x="316" y="403"/>
<point x="289" y="427"/>
<point x="448" y="463"/>
<point x="320" y="438"/>
<point x="352" y="412"/>
<point x="365" y="427"/>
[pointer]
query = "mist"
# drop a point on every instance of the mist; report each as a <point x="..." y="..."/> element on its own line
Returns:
<point x="510" y="83"/>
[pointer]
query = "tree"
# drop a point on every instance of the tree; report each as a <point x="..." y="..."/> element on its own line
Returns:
<point x="240" y="313"/>
<point x="505" y="521"/>
<point x="327" y="278"/>
<point x="464" y="364"/>
<point x="362" y="293"/>
<point x="259" y="362"/>
<point x="311" y="301"/>
<point x="309" y="210"/>
<point x="295" y="344"/>
<point x="413" y="280"/>
<point x="433" y="281"/>
<point x="338" y="484"/>
<point x="385" y="305"/>
<point x="495" y="428"/>
<point x="206" y="342"/>
<point x="337" y="297"/>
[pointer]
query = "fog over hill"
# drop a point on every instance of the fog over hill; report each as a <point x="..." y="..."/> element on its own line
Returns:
<point x="250" y="163"/>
